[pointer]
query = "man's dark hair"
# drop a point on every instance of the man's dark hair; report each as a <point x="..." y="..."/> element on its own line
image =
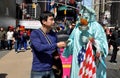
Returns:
<point x="45" y="15"/>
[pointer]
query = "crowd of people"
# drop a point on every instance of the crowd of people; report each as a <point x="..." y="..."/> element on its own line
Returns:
<point x="17" y="38"/>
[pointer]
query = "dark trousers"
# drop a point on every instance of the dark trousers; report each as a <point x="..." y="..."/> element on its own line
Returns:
<point x="2" y="44"/>
<point x="114" y="54"/>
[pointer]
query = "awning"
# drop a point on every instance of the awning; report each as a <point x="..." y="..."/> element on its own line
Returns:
<point x="62" y="8"/>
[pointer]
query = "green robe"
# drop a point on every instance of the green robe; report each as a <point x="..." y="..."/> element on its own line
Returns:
<point x="74" y="46"/>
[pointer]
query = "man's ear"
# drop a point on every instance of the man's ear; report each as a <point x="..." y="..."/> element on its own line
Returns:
<point x="43" y="21"/>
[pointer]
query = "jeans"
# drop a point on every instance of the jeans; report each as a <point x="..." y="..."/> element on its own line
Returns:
<point x="17" y="45"/>
<point x="24" y="43"/>
<point x="42" y="74"/>
<point x="9" y="44"/>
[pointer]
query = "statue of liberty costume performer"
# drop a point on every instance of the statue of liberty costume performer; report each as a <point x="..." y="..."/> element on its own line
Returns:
<point x="82" y="33"/>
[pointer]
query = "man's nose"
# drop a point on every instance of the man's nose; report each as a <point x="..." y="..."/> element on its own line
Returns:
<point x="54" y="21"/>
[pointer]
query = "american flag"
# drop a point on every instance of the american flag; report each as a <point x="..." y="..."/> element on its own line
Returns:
<point x="87" y="66"/>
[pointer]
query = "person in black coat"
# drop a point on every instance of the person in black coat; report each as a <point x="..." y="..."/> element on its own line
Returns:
<point x="114" y="38"/>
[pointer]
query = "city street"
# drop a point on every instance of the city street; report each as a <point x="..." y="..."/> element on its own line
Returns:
<point x="25" y="13"/>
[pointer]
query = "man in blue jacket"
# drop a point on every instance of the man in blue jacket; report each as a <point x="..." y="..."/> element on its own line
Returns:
<point x="43" y="44"/>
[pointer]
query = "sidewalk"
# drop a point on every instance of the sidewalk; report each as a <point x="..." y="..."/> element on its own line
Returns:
<point x="15" y="65"/>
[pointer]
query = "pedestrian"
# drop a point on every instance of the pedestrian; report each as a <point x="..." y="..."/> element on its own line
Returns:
<point x="9" y="38"/>
<point x="44" y="44"/>
<point x="114" y="43"/>
<point x="71" y="27"/>
<point x="2" y="38"/>
<point x="17" y="39"/>
<point x="24" y="40"/>
<point x="88" y="46"/>
<point x="109" y="37"/>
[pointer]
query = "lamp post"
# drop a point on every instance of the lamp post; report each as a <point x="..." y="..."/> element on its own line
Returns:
<point x="34" y="7"/>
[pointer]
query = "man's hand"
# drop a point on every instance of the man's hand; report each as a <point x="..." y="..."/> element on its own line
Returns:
<point x="97" y="54"/>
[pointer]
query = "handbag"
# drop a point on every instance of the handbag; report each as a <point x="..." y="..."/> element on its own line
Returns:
<point x="57" y="63"/>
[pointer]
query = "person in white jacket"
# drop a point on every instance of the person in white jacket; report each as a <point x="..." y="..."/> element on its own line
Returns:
<point x="9" y="38"/>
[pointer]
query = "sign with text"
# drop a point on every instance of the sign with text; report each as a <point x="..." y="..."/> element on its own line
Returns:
<point x="30" y="24"/>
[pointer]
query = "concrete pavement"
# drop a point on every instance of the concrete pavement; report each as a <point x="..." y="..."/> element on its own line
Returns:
<point x="15" y="65"/>
<point x="113" y="69"/>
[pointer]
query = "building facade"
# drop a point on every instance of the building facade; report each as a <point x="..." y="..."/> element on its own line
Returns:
<point x="102" y="7"/>
<point x="7" y="13"/>
<point x="115" y="13"/>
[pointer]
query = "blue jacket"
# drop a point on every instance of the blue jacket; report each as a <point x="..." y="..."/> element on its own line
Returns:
<point x="42" y="50"/>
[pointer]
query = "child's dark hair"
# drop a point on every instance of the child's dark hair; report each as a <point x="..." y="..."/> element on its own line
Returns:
<point x="45" y="15"/>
